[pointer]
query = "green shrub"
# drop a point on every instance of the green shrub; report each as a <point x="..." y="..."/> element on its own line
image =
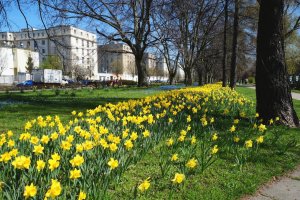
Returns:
<point x="128" y="82"/>
<point x="251" y="80"/>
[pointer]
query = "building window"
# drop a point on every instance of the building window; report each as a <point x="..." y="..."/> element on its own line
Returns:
<point x="43" y="51"/>
<point x="43" y="34"/>
<point x="2" y="36"/>
<point x="38" y="34"/>
<point x="74" y="31"/>
<point x="33" y="34"/>
<point x="76" y="40"/>
<point x="43" y="42"/>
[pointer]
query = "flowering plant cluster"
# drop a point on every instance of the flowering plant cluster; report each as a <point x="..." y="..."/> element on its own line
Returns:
<point x="80" y="159"/>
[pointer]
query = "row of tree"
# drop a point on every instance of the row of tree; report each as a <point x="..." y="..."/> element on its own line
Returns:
<point x="203" y="37"/>
<point x="199" y="36"/>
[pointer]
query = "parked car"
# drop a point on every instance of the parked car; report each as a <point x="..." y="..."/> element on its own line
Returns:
<point x="69" y="81"/>
<point x="26" y="83"/>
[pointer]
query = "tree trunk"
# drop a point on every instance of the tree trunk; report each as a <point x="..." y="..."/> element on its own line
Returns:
<point x="171" y="78"/>
<point x="141" y="71"/>
<point x="188" y="76"/>
<point x="225" y="45"/>
<point x="200" y="76"/>
<point x="234" y="45"/>
<point x="273" y="93"/>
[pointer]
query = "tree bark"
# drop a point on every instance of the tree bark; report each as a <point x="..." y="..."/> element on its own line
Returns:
<point x="188" y="76"/>
<point x="141" y="71"/>
<point x="225" y="45"/>
<point x="200" y="76"/>
<point x="273" y="93"/>
<point x="234" y="45"/>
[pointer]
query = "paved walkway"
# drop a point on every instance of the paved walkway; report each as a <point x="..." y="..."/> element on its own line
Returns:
<point x="285" y="188"/>
<point x="294" y="95"/>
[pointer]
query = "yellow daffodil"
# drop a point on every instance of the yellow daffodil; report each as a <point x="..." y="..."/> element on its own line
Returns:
<point x="30" y="191"/>
<point x="232" y="129"/>
<point x="53" y="164"/>
<point x="215" y="149"/>
<point x="21" y="162"/>
<point x="260" y="139"/>
<point x="40" y="165"/>
<point x="112" y="163"/>
<point x="55" y="189"/>
<point x="262" y="127"/>
<point x="248" y="143"/>
<point x="179" y="178"/>
<point x="174" y="157"/>
<point x="75" y="174"/>
<point x="38" y="149"/>
<point x="128" y="144"/>
<point x="144" y="185"/>
<point x="146" y="133"/>
<point x="77" y="161"/>
<point x="170" y="142"/>
<point x="236" y="139"/>
<point x="192" y="163"/>
<point x="214" y="137"/>
<point x="82" y="195"/>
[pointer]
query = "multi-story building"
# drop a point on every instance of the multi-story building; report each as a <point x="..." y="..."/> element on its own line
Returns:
<point x="13" y="64"/>
<point x="76" y="48"/>
<point x="116" y="61"/>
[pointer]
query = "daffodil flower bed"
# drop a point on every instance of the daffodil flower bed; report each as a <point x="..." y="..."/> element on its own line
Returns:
<point x="81" y="159"/>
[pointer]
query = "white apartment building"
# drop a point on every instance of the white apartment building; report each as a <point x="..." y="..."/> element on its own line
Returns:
<point x="117" y="61"/>
<point x="13" y="63"/>
<point x="76" y="48"/>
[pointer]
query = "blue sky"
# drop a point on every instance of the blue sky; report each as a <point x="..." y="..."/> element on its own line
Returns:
<point x="17" y="21"/>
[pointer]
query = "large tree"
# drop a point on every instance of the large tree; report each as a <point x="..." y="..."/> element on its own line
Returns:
<point x="127" y="21"/>
<point x="234" y="44"/>
<point x="273" y="93"/>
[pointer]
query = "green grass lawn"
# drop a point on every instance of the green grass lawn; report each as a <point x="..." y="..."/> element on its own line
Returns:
<point x="29" y="105"/>
<point x="224" y="180"/>
<point x="296" y="91"/>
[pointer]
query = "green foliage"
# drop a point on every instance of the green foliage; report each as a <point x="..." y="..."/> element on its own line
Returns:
<point x="52" y="62"/>
<point x="29" y="64"/>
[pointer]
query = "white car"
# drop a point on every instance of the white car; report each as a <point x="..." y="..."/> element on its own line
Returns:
<point x="64" y="82"/>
